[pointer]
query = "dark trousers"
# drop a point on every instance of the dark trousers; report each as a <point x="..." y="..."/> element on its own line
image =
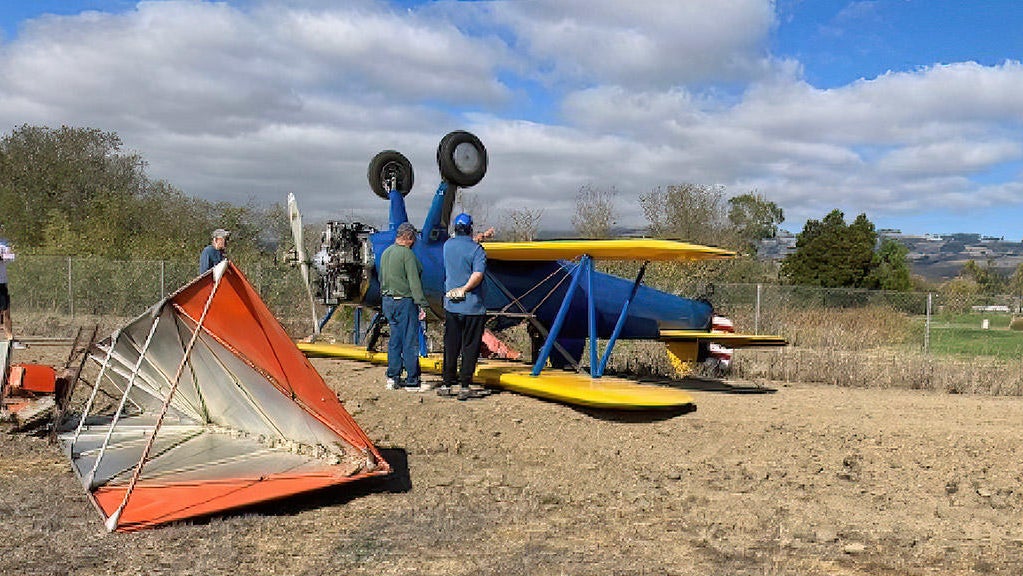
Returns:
<point x="403" y="347"/>
<point x="463" y="334"/>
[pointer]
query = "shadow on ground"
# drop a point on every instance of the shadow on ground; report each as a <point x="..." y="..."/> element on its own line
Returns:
<point x="398" y="481"/>
<point x="718" y="385"/>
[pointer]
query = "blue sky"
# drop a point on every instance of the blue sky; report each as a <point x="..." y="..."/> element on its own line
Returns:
<point x="907" y="110"/>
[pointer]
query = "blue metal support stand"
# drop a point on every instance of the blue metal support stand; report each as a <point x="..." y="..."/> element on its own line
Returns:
<point x="326" y="317"/>
<point x="424" y="350"/>
<point x="620" y="324"/>
<point x="591" y="317"/>
<point x="373" y="323"/>
<point x="559" y="320"/>
<point x="357" y="325"/>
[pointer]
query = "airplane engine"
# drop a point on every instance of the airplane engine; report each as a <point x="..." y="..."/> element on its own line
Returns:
<point x="344" y="262"/>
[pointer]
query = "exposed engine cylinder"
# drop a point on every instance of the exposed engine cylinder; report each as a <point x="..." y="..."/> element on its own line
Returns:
<point x="344" y="262"/>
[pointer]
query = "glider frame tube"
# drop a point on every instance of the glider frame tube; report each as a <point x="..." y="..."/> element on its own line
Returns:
<point x="95" y="390"/>
<point x="218" y="274"/>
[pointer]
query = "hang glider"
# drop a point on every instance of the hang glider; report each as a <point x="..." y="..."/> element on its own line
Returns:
<point x="217" y="409"/>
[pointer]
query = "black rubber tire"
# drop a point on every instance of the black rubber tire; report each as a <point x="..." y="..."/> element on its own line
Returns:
<point x="462" y="159"/>
<point x="382" y="166"/>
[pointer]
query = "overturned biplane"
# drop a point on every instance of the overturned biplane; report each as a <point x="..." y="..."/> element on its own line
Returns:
<point x="552" y="285"/>
<point x="215" y="409"/>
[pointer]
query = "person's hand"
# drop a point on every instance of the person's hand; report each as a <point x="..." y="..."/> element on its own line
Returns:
<point x="422" y="313"/>
<point x="456" y="294"/>
<point x="485" y="235"/>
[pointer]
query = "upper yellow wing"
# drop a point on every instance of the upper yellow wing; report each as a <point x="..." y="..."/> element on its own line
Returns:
<point x="622" y="249"/>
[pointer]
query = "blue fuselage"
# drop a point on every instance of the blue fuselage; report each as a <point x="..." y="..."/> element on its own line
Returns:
<point x="539" y="288"/>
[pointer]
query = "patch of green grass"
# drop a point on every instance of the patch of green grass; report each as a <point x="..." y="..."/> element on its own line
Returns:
<point x="962" y="334"/>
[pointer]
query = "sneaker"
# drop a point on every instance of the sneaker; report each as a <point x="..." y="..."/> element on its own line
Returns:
<point x="391" y="384"/>
<point x="422" y="387"/>
<point x="18" y="345"/>
<point x="445" y="391"/>
<point x="473" y="392"/>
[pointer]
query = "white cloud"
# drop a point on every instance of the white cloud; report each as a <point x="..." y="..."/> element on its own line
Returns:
<point x="257" y="99"/>
<point x="642" y="42"/>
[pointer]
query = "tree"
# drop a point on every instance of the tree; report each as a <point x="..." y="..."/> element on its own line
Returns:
<point x="958" y="293"/>
<point x="688" y="212"/>
<point x="67" y="169"/>
<point x="831" y="254"/>
<point x="471" y="203"/>
<point x="754" y="218"/>
<point x="525" y="223"/>
<point x="594" y="212"/>
<point x="1016" y="281"/>
<point x="73" y="191"/>
<point x="889" y="269"/>
<point x="987" y="279"/>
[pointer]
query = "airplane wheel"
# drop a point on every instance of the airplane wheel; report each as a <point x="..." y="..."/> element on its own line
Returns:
<point x="462" y="159"/>
<point x="386" y="166"/>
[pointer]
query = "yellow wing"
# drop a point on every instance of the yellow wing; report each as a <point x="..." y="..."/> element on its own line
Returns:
<point x="607" y="393"/>
<point x="730" y="339"/>
<point x="622" y="249"/>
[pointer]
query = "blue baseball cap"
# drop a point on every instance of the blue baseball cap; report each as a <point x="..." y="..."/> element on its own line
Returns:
<point x="463" y="219"/>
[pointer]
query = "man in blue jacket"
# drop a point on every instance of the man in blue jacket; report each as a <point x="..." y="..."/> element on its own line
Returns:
<point x="465" y="262"/>
<point x="213" y="253"/>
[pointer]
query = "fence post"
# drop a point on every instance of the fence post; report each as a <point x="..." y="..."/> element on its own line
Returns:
<point x="70" y="293"/>
<point x="927" y="325"/>
<point x="756" y="315"/>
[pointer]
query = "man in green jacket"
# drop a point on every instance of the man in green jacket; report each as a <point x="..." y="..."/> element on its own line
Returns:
<point x="401" y="287"/>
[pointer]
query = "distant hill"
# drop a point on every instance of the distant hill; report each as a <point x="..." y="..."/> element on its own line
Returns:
<point x="932" y="256"/>
<point x="942" y="257"/>
<point x="936" y="257"/>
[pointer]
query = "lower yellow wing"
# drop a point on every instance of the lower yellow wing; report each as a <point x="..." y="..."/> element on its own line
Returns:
<point x="606" y="393"/>
<point x="730" y="339"/>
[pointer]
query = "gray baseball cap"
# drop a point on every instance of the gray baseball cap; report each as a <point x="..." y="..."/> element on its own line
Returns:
<point x="221" y="233"/>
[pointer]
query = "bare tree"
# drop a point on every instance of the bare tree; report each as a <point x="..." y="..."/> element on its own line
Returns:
<point x="471" y="204"/>
<point x="594" y="212"/>
<point x="688" y="212"/>
<point x="523" y="224"/>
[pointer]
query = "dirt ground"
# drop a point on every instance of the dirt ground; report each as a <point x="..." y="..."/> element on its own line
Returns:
<point x="808" y="480"/>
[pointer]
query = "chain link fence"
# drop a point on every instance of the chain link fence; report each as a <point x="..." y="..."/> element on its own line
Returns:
<point x="768" y="308"/>
<point x="85" y="286"/>
<point x="842" y="336"/>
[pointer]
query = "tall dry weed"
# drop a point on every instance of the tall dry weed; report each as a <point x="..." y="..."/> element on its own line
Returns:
<point x="846" y="328"/>
<point x="883" y="368"/>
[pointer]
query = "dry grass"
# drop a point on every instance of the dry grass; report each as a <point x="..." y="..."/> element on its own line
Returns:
<point x="872" y="348"/>
<point x="841" y="328"/>
<point x="863" y="348"/>
<point x="881" y="368"/>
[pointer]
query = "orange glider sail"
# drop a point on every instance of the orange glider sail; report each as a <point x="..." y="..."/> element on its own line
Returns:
<point x="217" y="410"/>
